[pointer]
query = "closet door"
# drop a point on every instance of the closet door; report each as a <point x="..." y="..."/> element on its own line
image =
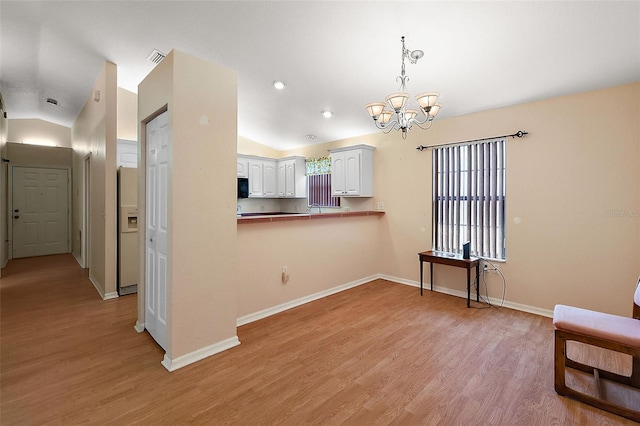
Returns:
<point x="156" y="228"/>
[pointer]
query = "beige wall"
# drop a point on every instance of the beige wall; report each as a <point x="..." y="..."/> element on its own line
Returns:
<point x="127" y="115"/>
<point x="94" y="134"/>
<point x="573" y="203"/>
<point x="320" y="254"/>
<point x="201" y="289"/>
<point x="35" y="130"/>
<point x="249" y="147"/>
<point x="562" y="247"/>
<point x="38" y="155"/>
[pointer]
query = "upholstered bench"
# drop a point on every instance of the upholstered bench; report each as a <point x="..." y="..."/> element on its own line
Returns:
<point x="616" y="333"/>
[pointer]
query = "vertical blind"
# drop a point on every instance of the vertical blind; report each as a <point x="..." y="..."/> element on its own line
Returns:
<point x="469" y="198"/>
<point x="320" y="191"/>
<point x="319" y="183"/>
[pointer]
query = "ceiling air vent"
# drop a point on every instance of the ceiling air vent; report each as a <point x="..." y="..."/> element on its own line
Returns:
<point x="156" y="56"/>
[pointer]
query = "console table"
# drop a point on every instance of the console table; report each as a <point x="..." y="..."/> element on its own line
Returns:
<point x="451" y="260"/>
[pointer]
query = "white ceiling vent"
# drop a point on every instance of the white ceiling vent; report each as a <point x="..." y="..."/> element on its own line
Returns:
<point x="156" y="56"/>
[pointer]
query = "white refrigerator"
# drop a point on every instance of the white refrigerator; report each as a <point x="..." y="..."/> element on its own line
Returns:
<point x="127" y="230"/>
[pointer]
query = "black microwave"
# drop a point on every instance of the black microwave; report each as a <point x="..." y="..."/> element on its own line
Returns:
<point x="243" y="187"/>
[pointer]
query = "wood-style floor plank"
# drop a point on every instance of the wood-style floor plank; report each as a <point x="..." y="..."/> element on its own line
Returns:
<point x="378" y="354"/>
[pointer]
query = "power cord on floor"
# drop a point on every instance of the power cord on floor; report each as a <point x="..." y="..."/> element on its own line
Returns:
<point x="486" y="299"/>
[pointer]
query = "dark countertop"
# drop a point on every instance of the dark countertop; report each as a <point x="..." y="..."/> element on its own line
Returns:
<point x="281" y="216"/>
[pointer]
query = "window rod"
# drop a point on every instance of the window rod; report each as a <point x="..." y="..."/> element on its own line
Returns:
<point x="518" y="134"/>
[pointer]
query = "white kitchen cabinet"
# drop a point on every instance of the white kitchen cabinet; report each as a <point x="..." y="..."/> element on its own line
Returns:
<point x="255" y="178"/>
<point x="292" y="181"/>
<point x="243" y="167"/>
<point x="262" y="177"/>
<point x="269" y="178"/>
<point x="352" y="171"/>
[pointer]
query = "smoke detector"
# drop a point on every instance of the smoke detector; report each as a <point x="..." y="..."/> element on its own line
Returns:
<point x="156" y="56"/>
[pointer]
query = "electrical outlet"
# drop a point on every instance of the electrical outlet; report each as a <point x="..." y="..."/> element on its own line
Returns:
<point x="486" y="267"/>
<point x="379" y="205"/>
<point x="284" y="269"/>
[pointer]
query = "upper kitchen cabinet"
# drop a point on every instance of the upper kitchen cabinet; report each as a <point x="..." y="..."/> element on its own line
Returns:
<point x="352" y="171"/>
<point x="292" y="182"/>
<point x="243" y="167"/>
<point x="262" y="176"/>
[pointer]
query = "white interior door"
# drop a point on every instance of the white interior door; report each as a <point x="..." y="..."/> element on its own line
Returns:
<point x="40" y="215"/>
<point x="156" y="229"/>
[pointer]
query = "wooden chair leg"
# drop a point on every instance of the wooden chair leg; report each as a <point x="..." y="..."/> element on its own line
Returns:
<point x="560" y="365"/>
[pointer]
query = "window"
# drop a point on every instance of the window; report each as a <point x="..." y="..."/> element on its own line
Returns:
<point x="469" y="198"/>
<point x="319" y="183"/>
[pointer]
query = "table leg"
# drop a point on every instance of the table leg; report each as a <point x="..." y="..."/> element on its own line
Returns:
<point x="431" y="274"/>
<point x="478" y="282"/>
<point x="421" y="263"/>
<point x="468" y="287"/>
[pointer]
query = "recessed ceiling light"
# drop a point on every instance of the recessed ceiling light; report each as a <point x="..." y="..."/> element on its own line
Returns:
<point x="52" y="101"/>
<point x="278" y="85"/>
<point x="327" y="114"/>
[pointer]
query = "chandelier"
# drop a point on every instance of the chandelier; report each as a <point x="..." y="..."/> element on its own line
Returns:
<point x="405" y="118"/>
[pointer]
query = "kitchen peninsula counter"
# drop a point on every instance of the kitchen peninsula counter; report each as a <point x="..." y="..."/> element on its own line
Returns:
<point x="270" y="217"/>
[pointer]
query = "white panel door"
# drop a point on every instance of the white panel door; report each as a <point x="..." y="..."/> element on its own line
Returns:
<point x="40" y="213"/>
<point x="282" y="179"/>
<point x="290" y="179"/>
<point x="255" y="179"/>
<point x="269" y="179"/>
<point x="243" y="167"/>
<point x="352" y="173"/>
<point x="338" y="174"/>
<point x="157" y="229"/>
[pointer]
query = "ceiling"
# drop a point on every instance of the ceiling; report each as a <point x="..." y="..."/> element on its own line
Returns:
<point x="335" y="56"/>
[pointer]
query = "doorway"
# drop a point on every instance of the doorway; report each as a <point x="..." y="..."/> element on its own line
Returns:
<point x="85" y="249"/>
<point x="39" y="211"/>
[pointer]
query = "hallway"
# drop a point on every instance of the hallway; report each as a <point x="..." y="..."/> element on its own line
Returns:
<point x="63" y="346"/>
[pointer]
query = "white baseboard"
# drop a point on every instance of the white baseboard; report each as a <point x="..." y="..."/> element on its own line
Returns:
<point x="112" y="295"/>
<point x="78" y="259"/>
<point x="95" y="284"/>
<point x="496" y="302"/>
<point x="104" y="296"/>
<point x="139" y="327"/>
<point x="190" y="358"/>
<point x="246" y="319"/>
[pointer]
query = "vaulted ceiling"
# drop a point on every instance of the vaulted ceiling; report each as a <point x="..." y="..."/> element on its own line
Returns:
<point x="334" y="56"/>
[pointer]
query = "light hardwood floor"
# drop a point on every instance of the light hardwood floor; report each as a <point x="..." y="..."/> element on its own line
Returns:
<point x="375" y="354"/>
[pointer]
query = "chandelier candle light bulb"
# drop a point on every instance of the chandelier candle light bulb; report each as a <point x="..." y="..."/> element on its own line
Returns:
<point x="405" y="118"/>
